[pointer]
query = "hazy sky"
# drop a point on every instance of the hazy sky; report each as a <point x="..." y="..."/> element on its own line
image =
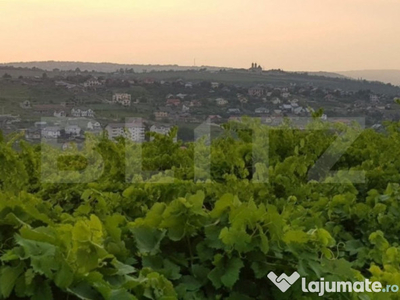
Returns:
<point x="330" y="35"/>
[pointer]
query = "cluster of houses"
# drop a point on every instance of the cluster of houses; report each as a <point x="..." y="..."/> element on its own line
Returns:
<point x="122" y="99"/>
<point x="133" y="129"/>
<point x="73" y="128"/>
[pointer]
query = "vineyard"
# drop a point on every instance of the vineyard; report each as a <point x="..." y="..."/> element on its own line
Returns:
<point x="166" y="221"/>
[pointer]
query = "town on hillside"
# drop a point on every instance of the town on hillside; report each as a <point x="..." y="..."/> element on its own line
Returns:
<point x="64" y="105"/>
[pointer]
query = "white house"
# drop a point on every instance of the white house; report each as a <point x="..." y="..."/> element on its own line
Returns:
<point x="93" y="125"/>
<point x="261" y="110"/>
<point x="233" y="111"/>
<point x="161" y="129"/>
<point x="188" y="85"/>
<point x="82" y="112"/>
<point x="74" y="130"/>
<point x="59" y="113"/>
<point x="181" y="96"/>
<point x="287" y="107"/>
<point x="256" y="91"/>
<point x="51" y="132"/>
<point x="91" y="83"/>
<point x="133" y="130"/>
<point x="125" y="102"/>
<point x="118" y="98"/>
<point x="214" y="85"/>
<point x="276" y="101"/>
<point x="374" y="98"/>
<point x="221" y="101"/>
<point x="185" y="108"/>
<point x="298" y="110"/>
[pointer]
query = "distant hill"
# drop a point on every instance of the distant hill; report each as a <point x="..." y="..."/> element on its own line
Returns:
<point x="276" y="77"/>
<point x="327" y="74"/>
<point x="386" y="76"/>
<point x="102" y="67"/>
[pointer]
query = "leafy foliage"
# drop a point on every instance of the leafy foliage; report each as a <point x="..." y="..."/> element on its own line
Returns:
<point x="127" y="235"/>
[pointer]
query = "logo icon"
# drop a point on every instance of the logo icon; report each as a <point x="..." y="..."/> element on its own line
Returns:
<point x="283" y="282"/>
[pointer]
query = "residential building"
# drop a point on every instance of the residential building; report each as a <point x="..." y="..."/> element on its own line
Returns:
<point x="120" y="97"/>
<point x="47" y="109"/>
<point x="91" y="83"/>
<point x="214" y="119"/>
<point x="276" y="101"/>
<point x="221" y="101"/>
<point x="82" y="112"/>
<point x="256" y="91"/>
<point x="93" y="125"/>
<point x="287" y="107"/>
<point x="51" y="132"/>
<point x="233" y="111"/>
<point x="329" y="97"/>
<point x="59" y="113"/>
<point x="214" y="85"/>
<point x="161" y="129"/>
<point x="185" y="108"/>
<point x="73" y="130"/>
<point x="181" y="96"/>
<point x="195" y="103"/>
<point x="261" y="110"/>
<point x="161" y="115"/>
<point x="26" y="104"/>
<point x="374" y="98"/>
<point x="149" y="81"/>
<point x="133" y="130"/>
<point x="33" y="134"/>
<point x="126" y="102"/>
<point x="235" y="119"/>
<point x="173" y="102"/>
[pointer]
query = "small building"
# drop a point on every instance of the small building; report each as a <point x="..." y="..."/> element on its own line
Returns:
<point x="329" y="97"/>
<point x="73" y="130"/>
<point x="173" y="102"/>
<point x="25" y="104"/>
<point x="221" y="101"/>
<point x="214" y="119"/>
<point x="276" y="101"/>
<point x="185" y="108"/>
<point x="92" y="83"/>
<point x="261" y="110"/>
<point x="214" y="85"/>
<point x="181" y="96"/>
<point x="195" y="103"/>
<point x="59" y="114"/>
<point x="161" y="115"/>
<point x="161" y="129"/>
<point x="126" y="102"/>
<point x="133" y="130"/>
<point x="82" y="112"/>
<point x="33" y="134"/>
<point x="233" y="111"/>
<point x="51" y="132"/>
<point x="256" y="91"/>
<point x="93" y="125"/>
<point x="120" y="97"/>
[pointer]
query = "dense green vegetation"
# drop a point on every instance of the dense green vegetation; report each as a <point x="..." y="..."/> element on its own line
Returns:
<point x="130" y="236"/>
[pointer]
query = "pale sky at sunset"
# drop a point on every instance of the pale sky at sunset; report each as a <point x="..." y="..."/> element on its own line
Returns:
<point x="330" y="35"/>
